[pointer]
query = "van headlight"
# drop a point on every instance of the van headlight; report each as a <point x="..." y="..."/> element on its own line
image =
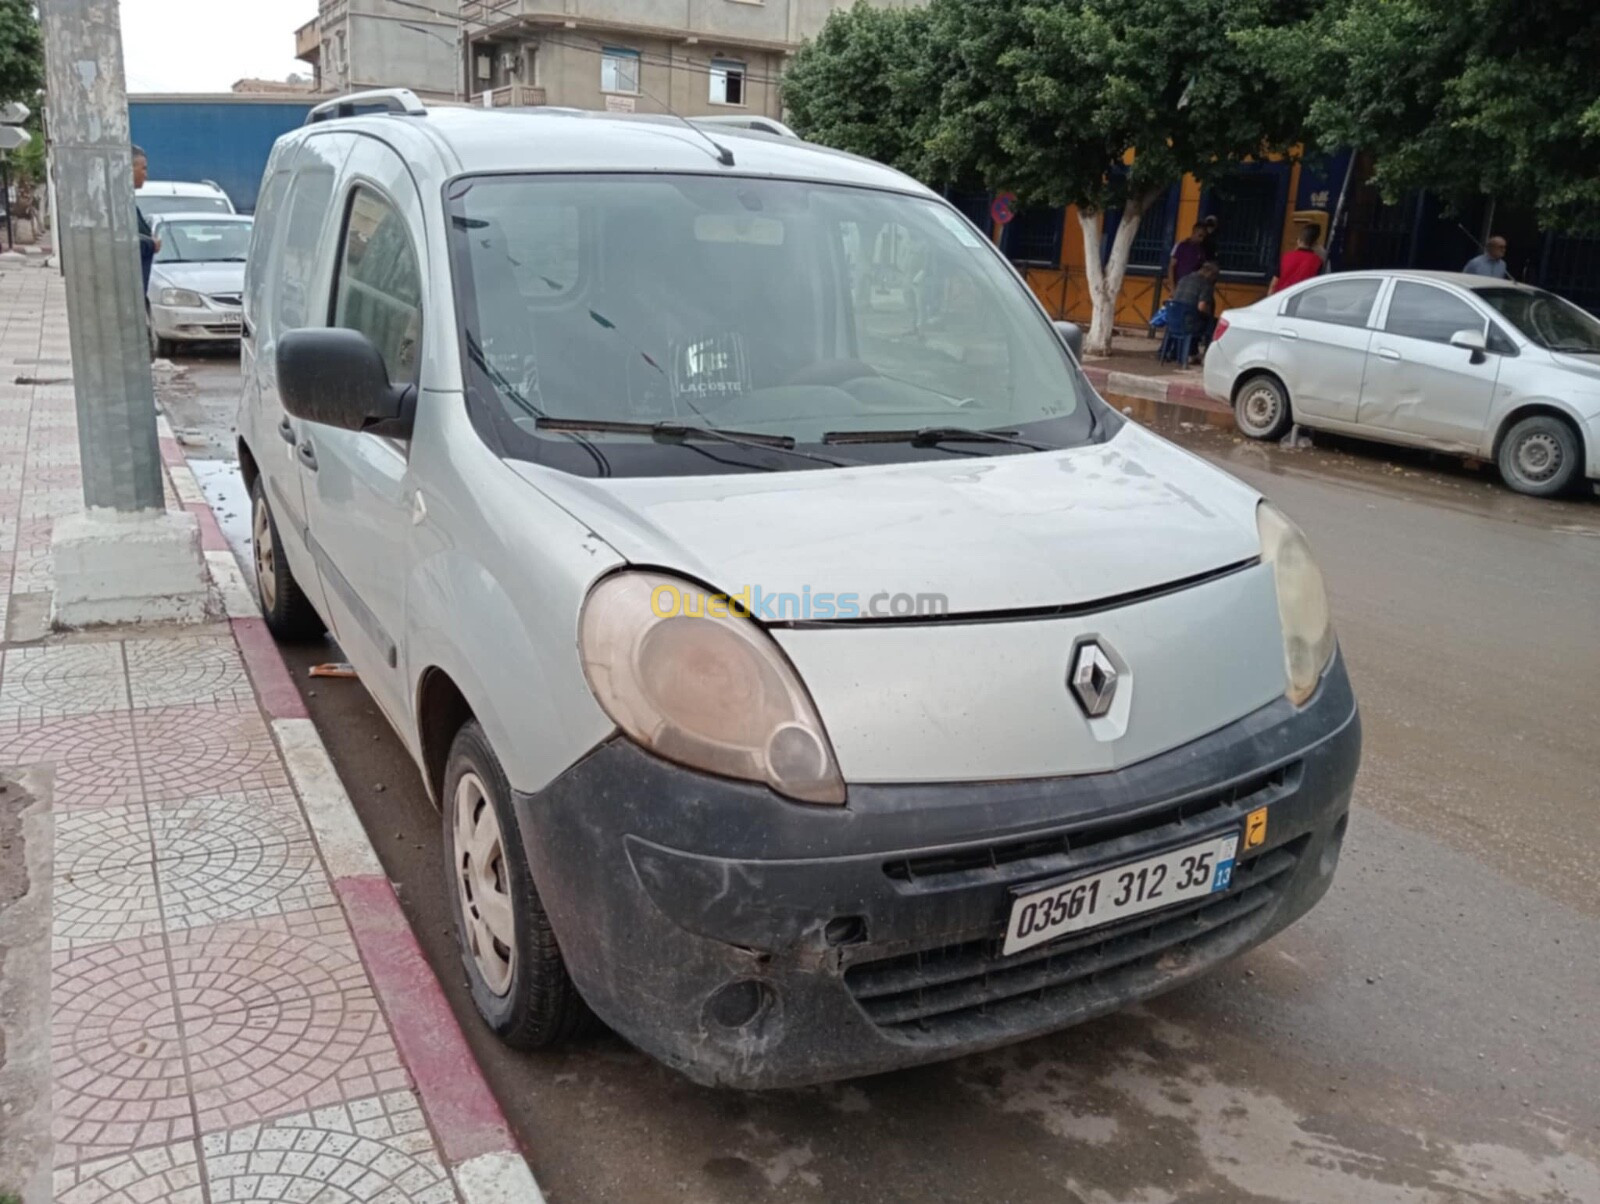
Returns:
<point x="1302" y="601"/>
<point x="703" y="687"/>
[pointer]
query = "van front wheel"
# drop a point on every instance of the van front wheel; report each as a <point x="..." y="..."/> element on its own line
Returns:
<point x="514" y="967"/>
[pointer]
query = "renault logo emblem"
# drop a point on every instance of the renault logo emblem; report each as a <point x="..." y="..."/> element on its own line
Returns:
<point x="1093" y="678"/>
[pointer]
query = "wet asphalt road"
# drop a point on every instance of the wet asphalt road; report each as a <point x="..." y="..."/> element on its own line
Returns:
<point x="1430" y="1032"/>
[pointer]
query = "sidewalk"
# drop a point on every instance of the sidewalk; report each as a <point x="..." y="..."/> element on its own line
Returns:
<point x="238" y="1008"/>
<point x="1131" y="370"/>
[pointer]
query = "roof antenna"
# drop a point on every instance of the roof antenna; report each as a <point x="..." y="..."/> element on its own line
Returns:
<point x="724" y="155"/>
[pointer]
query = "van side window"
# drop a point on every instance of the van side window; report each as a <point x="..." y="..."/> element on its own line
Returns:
<point x="379" y="290"/>
<point x="297" y="263"/>
<point x="257" y="264"/>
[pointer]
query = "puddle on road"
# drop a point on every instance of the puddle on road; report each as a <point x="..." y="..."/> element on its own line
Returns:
<point x="224" y="489"/>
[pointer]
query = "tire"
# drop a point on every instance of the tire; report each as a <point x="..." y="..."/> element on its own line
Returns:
<point x="288" y="613"/>
<point x="1261" y="409"/>
<point x="1541" y="456"/>
<point x="519" y="980"/>
<point x="160" y="348"/>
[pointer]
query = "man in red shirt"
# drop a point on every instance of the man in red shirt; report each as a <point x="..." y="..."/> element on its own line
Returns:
<point x="1302" y="263"/>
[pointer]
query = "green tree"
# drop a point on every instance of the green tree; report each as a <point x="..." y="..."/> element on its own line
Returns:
<point x="866" y="84"/>
<point x="1104" y="104"/>
<point x="1463" y="97"/>
<point x="21" y="53"/>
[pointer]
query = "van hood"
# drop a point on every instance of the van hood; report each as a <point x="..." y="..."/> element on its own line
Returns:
<point x="1007" y="532"/>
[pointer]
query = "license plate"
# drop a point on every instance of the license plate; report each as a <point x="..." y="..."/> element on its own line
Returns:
<point x="1120" y="892"/>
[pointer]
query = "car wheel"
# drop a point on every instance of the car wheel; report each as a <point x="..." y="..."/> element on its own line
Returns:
<point x="287" y="611"/>
<point x="1261" y="408"/>
<point x="160" y="348"/>
<point x="1540" y="456"/>
<point x="518" y="978"/>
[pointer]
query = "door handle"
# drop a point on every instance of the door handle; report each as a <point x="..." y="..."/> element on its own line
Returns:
<point x="1388" y="353"/>
<point x="308" y="455"/>
<point x="1284" y="333"/>
<point x="285" y="431"/>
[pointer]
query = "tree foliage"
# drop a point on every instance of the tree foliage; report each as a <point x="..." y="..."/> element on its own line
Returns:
<point x="1462" y="97"/>
<point x="866" y="84"/>
<point x="21" y="53"/>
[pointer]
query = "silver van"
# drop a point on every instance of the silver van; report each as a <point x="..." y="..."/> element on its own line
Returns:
<point x="814" y="675"/>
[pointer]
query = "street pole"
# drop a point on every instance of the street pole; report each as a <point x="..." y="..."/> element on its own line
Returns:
<point x="125" y="559"/>
<point x="98" y="240"/>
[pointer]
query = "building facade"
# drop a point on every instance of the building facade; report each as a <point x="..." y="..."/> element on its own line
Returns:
<point x="356" y="44"/>
<point x="694" y="57"/>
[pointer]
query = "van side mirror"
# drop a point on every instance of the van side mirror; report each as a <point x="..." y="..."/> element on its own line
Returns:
<point x="1072" y="335"/>
<point x="337" y="377"/>
<point x="1470" y="340"/>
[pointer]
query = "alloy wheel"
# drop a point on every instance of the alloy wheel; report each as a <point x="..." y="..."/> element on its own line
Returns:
<point x="266" y="556"/>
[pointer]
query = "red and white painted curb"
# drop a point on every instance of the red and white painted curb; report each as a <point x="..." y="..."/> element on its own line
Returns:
<point x="1173" y="390"/>
<point x="474" y="1139"/>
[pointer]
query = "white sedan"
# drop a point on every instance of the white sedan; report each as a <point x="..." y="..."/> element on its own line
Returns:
<point x="197" y="280"/>
<point x="1465" y="364"/>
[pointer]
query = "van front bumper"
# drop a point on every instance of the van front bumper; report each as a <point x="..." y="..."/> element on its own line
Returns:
<point x="756" y="942"/>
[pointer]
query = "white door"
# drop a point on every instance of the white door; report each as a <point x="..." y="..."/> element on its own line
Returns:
<point x="1417" y="384"/>
<point x="359" y="494"/>
<point x="1320" y="343"/>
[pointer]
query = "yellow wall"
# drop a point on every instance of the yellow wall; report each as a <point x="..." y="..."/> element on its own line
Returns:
<point x="1065" y="293"/>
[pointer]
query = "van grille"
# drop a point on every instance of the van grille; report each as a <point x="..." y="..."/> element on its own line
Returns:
<point x="1044" y="854"/>
<point x="922" y="995"/>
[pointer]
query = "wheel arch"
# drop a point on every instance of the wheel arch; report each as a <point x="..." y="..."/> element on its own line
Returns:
<point x="1535" y="409"/>
<point x="248" y="468"/>
<point x="442" y="711"/>
<point x="1254" y="373"/>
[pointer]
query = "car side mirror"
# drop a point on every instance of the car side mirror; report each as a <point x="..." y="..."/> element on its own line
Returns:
<point x="1072" y="335"/>
<point x="337" y="377"/>
<point x="1470" y="340"/>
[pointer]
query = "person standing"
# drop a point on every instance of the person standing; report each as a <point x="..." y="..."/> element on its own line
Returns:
<point x="149" y="244"/>
<point x="1302" y="263"/>
<point x="1188" y="254"/>
<point x="1492" y="262"/>
<point x="1209" y="243"/>
<point x="1198" y="290"/>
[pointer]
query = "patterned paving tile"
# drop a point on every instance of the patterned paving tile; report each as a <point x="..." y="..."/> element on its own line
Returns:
<point x="167" y="1174"/>
<point x="94" y="756"/>
<point x="115" y="1051"/>
<point x="105" y="882"/>
<point x="185" y="671"/>
<point x="279" y="1017"/>
<point x="376" y="1150"/>
<point x="52" y="503"/>
<point x="224" y="857"/>
<point x="62" y="679"/>
<point x="190" y="751"/>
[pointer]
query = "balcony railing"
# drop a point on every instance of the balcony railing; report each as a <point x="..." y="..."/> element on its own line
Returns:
<point x="513" y="96"/>
<point x="308" y="38"/>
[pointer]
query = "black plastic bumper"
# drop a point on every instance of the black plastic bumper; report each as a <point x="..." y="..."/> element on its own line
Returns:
<point x="752" y="941"/>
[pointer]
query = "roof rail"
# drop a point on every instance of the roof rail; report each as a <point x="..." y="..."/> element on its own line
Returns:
<point x="389" y="100"/>
<point x="764" y="125"/>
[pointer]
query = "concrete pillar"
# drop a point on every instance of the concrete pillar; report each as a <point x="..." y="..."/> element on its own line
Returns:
<point x="125" y="559"/>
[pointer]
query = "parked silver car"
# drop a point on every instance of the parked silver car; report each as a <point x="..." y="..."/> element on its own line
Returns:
<point x="197" y="279"/>
<point x="1467" y="364"/>
<point x="814" y="674"/>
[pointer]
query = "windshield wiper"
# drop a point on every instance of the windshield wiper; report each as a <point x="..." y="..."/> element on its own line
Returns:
<point x="679" y="432"/>
<point x="932" y="436"/>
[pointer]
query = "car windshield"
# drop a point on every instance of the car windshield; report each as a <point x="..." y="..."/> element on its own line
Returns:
<point x="804" y="311"/>
<point x="203" y="242"/>
<point x="1550" y="321"/>
<point x="152" y="205"/>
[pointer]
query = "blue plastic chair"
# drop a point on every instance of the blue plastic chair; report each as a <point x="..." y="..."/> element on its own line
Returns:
<point x="1183" y="328"/>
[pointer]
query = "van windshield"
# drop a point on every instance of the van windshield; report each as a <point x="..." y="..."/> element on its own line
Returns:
<point x="777" y="309"/>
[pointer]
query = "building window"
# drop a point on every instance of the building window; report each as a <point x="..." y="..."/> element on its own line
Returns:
<point x="1249" y="205"/>
<point x="1034" y="236"/>
<point x="1152" y="246"/>
<point x="619" y="70"/>
<point x="727" y="82"/>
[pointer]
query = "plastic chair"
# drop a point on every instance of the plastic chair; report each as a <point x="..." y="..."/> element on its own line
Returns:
<point x="1183" y="327"/>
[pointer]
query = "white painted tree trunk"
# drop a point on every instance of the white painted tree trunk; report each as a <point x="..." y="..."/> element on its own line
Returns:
<point x="1105" y="282"/>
